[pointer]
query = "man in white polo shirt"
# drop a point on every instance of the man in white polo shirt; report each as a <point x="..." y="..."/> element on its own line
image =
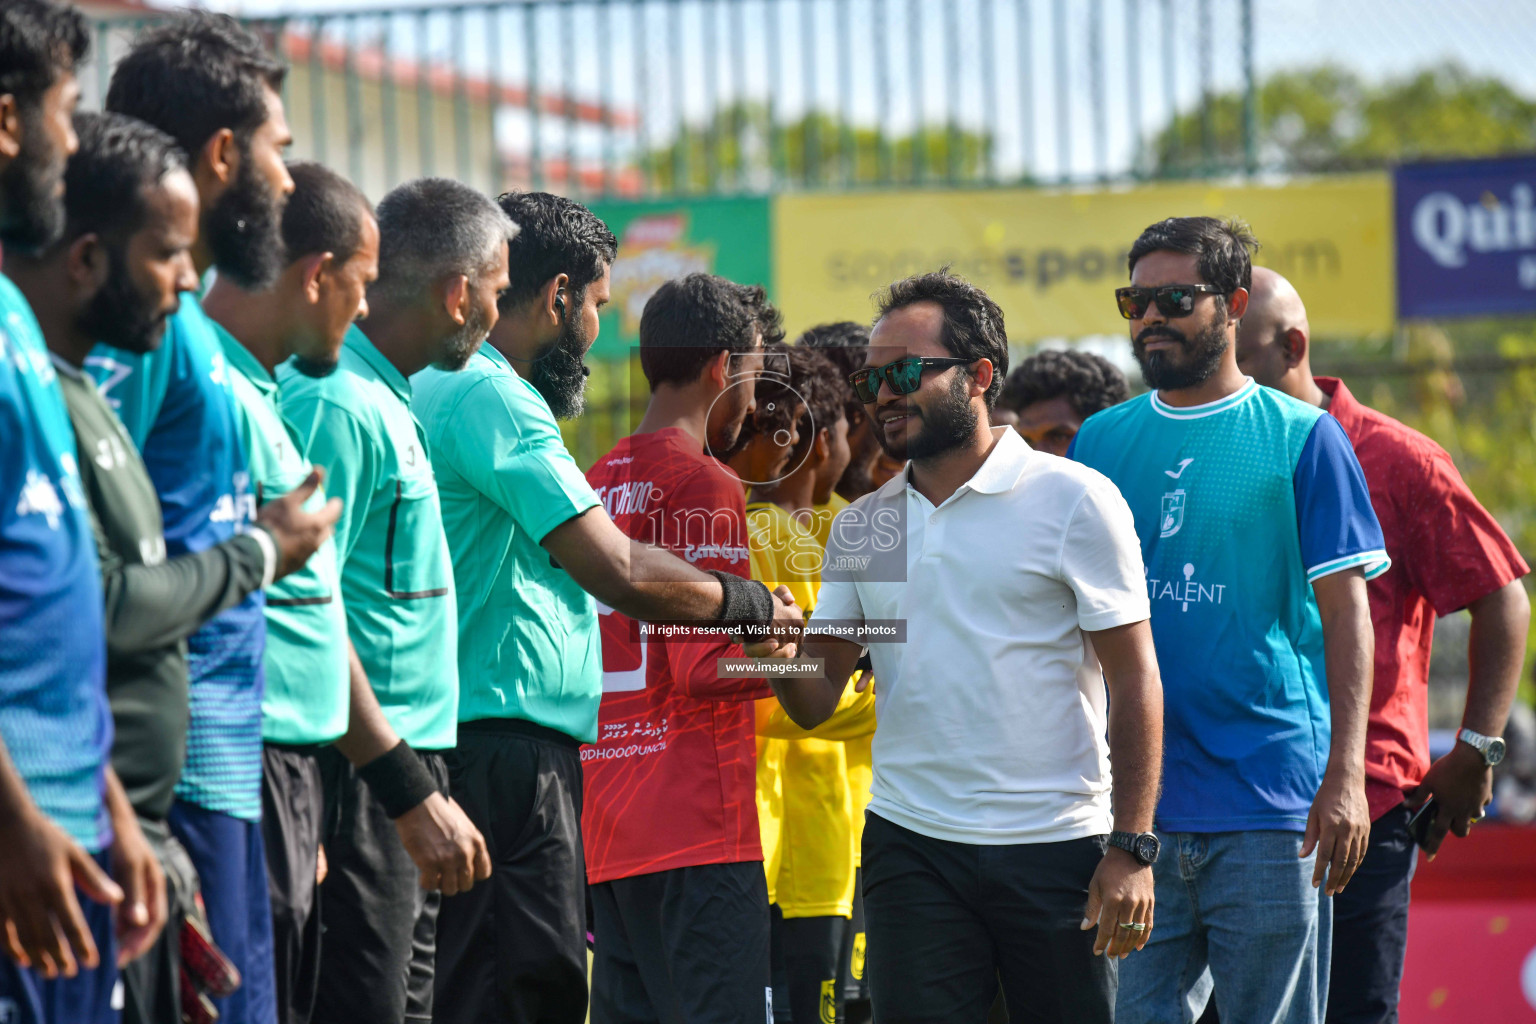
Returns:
<point x="990" y="851"/>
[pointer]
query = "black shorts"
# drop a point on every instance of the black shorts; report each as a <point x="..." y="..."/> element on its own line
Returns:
<point x="514" y="948"/>
<point x="379" y="927"/>
<point x="292" y="816"/>
<point x="686" y="946"/>
<point x="946" y="921"/>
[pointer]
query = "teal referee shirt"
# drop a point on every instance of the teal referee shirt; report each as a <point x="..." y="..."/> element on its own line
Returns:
<point x="529" y="645"/>
<point x="396" y="577"/>
<point x="306" y="656"/>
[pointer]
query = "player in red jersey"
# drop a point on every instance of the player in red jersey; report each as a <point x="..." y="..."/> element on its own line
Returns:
<point x="680" y="903"/>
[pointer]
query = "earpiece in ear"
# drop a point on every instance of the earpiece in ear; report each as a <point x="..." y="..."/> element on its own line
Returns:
<point x="560" y="306"/>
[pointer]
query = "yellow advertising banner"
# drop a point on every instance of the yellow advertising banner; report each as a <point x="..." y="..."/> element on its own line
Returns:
<point x="1052" y="259"/>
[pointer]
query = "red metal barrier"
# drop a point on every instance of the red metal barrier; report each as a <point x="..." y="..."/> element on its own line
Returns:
<point x="1472" y="932"/>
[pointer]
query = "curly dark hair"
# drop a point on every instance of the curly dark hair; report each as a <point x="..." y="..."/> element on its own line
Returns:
<point x="1089" y="382"/>
<point x="973" y="323"/>
<point x="777" y="398"/>
<point x="813" y="381"/>
<point x="844" y="343"/>
<point x="558" y="236"/>
<point x="195" y="76"/>
<point x="691" y="320"/>
<point x="119" y="161"/>
<point x="39" y="41"/>
<point x="1223" y="249"/>
<point x="326" y="213"/>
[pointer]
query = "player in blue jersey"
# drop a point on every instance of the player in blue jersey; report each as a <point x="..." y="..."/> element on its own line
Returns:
<point x="1258" y="536"/>
<point x="58" y="961"/>
<point x="212" y="86"/>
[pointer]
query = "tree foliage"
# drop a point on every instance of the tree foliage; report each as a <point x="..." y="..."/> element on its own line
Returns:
<point x="741" y="147"/>
<point x="1328" y="119"/>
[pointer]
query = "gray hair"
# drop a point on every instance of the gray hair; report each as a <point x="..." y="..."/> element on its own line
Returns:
<point x="433" y="228"/>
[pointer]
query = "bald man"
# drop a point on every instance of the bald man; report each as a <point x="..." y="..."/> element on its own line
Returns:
<point x="1447" y="553"/>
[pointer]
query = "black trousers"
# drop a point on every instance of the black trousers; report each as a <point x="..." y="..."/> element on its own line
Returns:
<point x="1370" y="927"/>
<point x="380" y="928"/>
<point x="514" y="948"/>
<point x="686" y="946"/>
<point x="292" y="818"/>
<point x="946" y="921"/>
<point x="813" y="968"/>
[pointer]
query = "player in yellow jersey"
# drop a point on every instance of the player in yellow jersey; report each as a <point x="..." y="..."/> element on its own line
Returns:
<point x="807" y="805"/>
<point x="844" y="343"/>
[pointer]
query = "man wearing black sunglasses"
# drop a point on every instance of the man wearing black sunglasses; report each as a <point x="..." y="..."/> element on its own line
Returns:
<point x="1258" y="536"/>
<point x="989" y="850"/>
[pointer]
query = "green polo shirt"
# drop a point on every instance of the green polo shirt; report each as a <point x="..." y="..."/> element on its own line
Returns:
<point x="306" y="655"/>
<point x="396" y="576"/>
<point x="529" y="645"/>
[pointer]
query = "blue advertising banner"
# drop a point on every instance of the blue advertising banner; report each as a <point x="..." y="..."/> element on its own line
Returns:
<point x="1466" y="237"/>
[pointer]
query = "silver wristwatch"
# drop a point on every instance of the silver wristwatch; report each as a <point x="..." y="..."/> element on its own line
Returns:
<point x="1491" y="747"/>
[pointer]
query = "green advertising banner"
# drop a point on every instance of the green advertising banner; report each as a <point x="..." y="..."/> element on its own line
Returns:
<point x="659" y="241"/>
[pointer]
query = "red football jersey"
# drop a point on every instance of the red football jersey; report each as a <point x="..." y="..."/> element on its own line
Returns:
<point x="671" y="780"/>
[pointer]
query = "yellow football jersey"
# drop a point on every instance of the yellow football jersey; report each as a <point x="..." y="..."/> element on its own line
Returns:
<point x="807" y="809"/>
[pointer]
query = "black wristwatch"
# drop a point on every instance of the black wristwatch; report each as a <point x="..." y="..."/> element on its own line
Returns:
<point x="1143" y="846"/>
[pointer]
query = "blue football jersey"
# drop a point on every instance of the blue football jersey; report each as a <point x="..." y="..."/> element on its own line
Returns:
<point x="179" y="408"/>
<point x="54" y="715"/>
<point x="1239" y="505"/>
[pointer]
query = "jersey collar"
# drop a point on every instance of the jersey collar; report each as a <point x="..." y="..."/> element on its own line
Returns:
<point x="241" y="359"/>
<point x="1001" y="470"/>
<point x="1195" y="412"/>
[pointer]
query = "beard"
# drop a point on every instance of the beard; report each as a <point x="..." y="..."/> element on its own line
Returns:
<point x="460" y="346"/>
<point x="732" y="436"/>
<point x="1203" y="357"/>
<point x="947" y="423"/>
<point x="311" y="367"/>
<point x="31" y="201"/>
<point x="244" y="227"/>
<point x="559" y="373"/>
<point x="119" y="316"/>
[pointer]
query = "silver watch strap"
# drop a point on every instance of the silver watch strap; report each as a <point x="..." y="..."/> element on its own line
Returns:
<point x="1476" y="740"/>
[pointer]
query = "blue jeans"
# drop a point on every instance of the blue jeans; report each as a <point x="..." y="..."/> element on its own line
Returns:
<point x="1237" y="910"/>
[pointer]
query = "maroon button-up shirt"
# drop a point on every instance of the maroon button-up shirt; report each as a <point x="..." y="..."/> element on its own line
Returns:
<point x="1447" y="552"/>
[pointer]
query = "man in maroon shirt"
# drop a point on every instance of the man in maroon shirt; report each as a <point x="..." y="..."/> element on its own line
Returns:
<point x="1447" y="553"/>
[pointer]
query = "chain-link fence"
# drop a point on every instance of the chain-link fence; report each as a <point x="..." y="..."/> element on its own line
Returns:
<point x="650" y="99"/>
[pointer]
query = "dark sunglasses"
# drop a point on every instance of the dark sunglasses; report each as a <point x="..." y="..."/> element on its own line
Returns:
<point x="904" y="375"/>
<point x="1173" y="300"/>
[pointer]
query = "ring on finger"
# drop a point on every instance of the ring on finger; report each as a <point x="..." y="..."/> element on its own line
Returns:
<point x="1135" y="926"/>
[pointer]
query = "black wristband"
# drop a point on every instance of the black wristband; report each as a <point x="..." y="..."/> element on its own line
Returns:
<point x="748" y="608"/>
<point x="398" y="779"/>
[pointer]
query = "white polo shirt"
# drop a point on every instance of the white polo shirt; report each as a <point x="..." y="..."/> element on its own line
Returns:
<point x="992" y="713"/>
